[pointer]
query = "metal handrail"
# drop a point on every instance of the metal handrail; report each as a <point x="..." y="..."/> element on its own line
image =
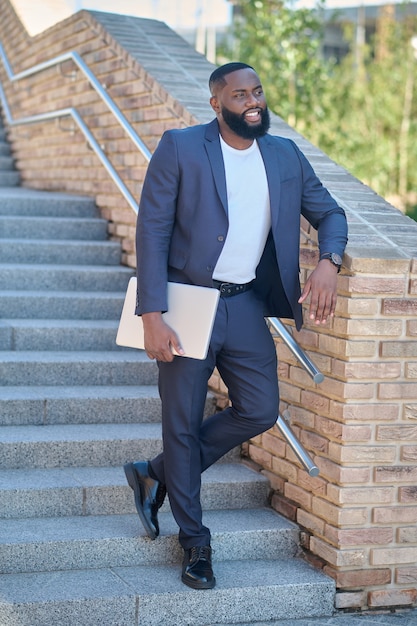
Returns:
<point x="92" y="79"/>
<point x="289" y="340"/>
<point x="279" y="327"/>
<point x="33" y="119"/>
<point x="72" y="112"/>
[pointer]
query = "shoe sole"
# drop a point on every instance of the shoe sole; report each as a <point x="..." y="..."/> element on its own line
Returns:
<point x="198" y="585"/>
<point x="134" y="483"/>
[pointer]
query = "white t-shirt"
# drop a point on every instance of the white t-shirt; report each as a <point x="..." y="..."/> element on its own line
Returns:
<point x="248" y="212"/>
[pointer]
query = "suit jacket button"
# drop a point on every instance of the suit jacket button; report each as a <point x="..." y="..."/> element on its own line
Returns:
<point x="220" y="238"/>
<point x="209" y="268"/>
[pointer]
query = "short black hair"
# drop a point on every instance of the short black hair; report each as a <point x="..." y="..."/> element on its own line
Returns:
<point x="217" y="77"/>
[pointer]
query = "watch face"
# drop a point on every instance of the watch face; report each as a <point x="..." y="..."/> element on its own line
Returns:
<point x="336" y="259"/>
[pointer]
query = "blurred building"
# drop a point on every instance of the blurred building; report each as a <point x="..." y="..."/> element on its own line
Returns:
<point x="198" y="21"/>
<point x="203" y="22"/>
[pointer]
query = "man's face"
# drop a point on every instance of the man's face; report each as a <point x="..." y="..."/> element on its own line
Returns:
<point x="241" y="104"/>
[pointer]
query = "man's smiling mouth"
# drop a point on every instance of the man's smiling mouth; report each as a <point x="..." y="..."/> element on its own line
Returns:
<point x="252" y="115"/>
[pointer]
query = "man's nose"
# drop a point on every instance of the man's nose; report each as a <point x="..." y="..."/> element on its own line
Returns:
<point x="252" y="99"/>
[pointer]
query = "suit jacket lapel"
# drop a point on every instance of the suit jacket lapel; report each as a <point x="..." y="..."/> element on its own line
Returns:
<point x="271" y="162"/>
<point x="214" y="152"/>
<point x="270" y="158"/>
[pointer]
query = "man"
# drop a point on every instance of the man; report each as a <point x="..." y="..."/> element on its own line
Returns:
<point x="221" y="204"/>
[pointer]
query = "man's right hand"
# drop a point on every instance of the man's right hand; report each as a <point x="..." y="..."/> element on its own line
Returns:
<point x="161" y="342"/>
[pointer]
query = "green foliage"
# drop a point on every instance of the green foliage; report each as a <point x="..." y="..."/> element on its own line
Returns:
<point x="362" y="112"/>
<point x="369" y="116"/>
<point x="284" y="46"/>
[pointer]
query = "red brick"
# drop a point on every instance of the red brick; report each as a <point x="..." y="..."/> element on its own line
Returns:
<point x="298" y="495"/>
<point x="407" y="534"/>
<point x="336" y="557"/>
<point x="358" y="495"/>
<point x="399" y="391"/>
<point x="361" y="454"/>
<point x="402" y="306"/>
<point x="366" y="411"/>
<point x="363" y="578"/>
<point x="350" y="599"/>
<point x="358" y="536"/>
<point x="401" y="432"/>
<point x="408" y="453"/>
<point x="310" y="521"/>
<point x="260" y="456"/>
<point x="392" y="597"/>
<point x="395" y="473"/>
<point x="393" y="556"/>
<point x="284" y="506"/>
<point x="407" y="494"/>
<point x="371" y="285"/>
<point x="397" y="515"/>
<point x="406" y="575"/>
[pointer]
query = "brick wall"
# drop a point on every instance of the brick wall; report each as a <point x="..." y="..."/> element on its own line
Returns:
<point x="358" y="517"/>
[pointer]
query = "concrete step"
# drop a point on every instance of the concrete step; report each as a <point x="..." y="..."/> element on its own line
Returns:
<point x="97" y="541"/>
<point x="58" y="335"/>
<point x="256" y="590"/>
<point x="6" y="163"/>
<point x="9" y="179"/>
<point x="80" y="445"/>
<point x="102" y="404"/>
<point x="44" y="304"/>
<point x="54" y="277"/>
<point x="72" y="445"/>
<point x="64" y="253"/>
<point x="25" y="227"/>
<point x="39" y="493"/>
<point x="129" y="367"/>
<point x="31" y="202"/>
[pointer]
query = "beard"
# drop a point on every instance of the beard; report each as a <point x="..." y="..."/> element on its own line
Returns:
<point x="237" y="123"/>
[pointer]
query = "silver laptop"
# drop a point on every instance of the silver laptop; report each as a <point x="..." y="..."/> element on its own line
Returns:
<point x="191" y="313"/>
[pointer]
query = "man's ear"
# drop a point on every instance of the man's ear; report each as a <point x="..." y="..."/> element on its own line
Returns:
<point x="215" y="104"/>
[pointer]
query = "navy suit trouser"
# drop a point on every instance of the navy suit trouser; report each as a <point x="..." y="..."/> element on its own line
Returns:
<point x="243" y="350"/>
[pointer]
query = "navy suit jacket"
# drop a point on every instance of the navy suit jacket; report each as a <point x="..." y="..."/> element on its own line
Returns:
<point x="183" y="223"/>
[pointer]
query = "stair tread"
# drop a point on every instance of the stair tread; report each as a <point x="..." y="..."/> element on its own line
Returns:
<point x="64" y="267"/>
<point x="98" y="527"/>
<point x="45" y="293"/>
<point x="79" y="432"/>
<point x="6" y="242"/>
<point x="60" y="323"/>
<point x="252" y="574"/>
<point x="52" y="196"/>
<point x="132" y="356"/>
<point x="256" y="590"/>
<point x="78" y="392"/>
<point x="61" y="219"/>
<point x="80" y="477"/>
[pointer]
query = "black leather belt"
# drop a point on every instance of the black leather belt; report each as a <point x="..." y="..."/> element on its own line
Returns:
<point x="231" y="289"/>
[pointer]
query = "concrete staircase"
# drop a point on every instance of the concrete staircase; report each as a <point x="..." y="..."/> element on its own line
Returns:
<point x="73" y="408"/>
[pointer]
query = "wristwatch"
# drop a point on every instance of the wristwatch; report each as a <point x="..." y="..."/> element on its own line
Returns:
<point x="333" y="258"/>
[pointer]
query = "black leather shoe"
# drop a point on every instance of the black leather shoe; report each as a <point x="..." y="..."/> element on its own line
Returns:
<point x="196" y="568"/>
<point x="149" y="495"/>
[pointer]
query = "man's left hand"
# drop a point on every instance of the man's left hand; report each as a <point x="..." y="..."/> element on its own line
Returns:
<point x="322" y="288"/>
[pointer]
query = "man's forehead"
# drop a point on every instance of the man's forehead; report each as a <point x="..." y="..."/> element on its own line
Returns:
<point x="242" y="79"/>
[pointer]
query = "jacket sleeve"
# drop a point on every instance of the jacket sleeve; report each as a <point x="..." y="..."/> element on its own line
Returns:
<point x="155" y="223"/>
<point x="322" y="210"/>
